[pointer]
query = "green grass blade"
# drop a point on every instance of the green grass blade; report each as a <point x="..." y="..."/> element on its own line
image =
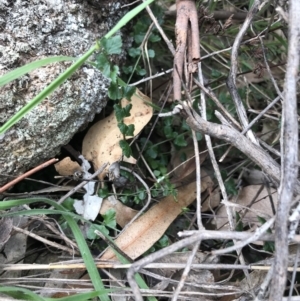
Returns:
<point x="78" y="297"/>
<point x="139" y="280"/>
<point x="10" y="76"/>
<point x="83" y="247"/>
<point x="20" y="293"/>
<point x="65" y="75"/>
<point x="130" y="15"/>
<point x="49" y="89"/>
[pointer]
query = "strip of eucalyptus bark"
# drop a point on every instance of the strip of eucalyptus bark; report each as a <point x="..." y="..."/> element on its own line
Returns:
<point x="252" y="151"/>
<point x="187" y="35"/>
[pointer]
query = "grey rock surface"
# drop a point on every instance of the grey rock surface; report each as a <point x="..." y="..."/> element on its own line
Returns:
<point x="35" y="29"/>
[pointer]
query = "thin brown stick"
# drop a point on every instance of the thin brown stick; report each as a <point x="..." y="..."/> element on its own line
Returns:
<point x="27" y="174"/>
<point x="76" y="188"/>
<point x="46" y="241"/>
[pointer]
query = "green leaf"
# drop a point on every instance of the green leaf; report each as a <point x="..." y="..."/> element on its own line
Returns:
<point x="114" y="92"/>
<point x="152" y="152"/>
<point x="269" y="246"/>
<point x="168" y="131"/>
<point x="125" y="148"/>
<point x="180" y="140"/>
<point x="114" y="73"/>
<point x="109" y="218"/>
<point x="106" y="70"/>
<point x="163" y="170"/>
<point x="127" y="70"/>
<point x="140" y="71"/>
<point x="139" y="38"/>
<point x="130" y="130"/>
<point x="151" y="53"/>
<point x="239" y="224"/>
<point x="91" y="231"/>
<point x="231" y="187"/>
<point x="163" y="242"/>
<point x="119" y="112"/>
<point x="134" y="52"/>
<point x="199" y="136"/>
<point x="68" y="204"/>
<point x="153" y="163"/>
<point x="127" y="109"/>
<point x="128" y="92"/>
<point x="103" y="192"/>
<point x="142" y="195"/>
<point x="251" y="3"/>
<point x="156" y="173"/>
<point x="102" y="61"/>
<point x="154" y="38"/>
<point x="112" y="45"/>
<point x="123" y="128"/>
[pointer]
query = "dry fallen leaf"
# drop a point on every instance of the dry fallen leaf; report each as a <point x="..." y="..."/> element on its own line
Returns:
<point x="6" y="225"/>
<point x="211" y="197"/>
<point x="101" y="143"/>
<point x="197" y="277"/>
<point x="185" y="172"/>
<point x="124" y="214"/>
<point x="261" y="206"/>
<point x="67" y="167"/>
<point x="138" y="237"/>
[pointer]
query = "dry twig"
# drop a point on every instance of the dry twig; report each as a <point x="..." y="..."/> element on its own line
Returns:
<point x="289" y="154"/>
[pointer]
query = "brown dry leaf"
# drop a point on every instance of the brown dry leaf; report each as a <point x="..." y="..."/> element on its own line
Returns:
<point x="67" y="167"/>
<point x="261" y="206"/>
<point x="124" y="214"/>
<point x="212" y="197"/>
<point x="6" y="225"/>
<point x="196" y="277"/>
<point x="185" y="171"/>
<point x="101" y="143"/>
<point x="146" y="230"/>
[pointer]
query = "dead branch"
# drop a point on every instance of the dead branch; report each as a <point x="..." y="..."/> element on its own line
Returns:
<point x="231" y="82"/>
<point x="252" y="151"/>
<point x="289" y="155"/>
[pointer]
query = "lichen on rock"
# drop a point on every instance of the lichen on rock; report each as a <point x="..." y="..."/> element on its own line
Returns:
<point x="34" y="30"/>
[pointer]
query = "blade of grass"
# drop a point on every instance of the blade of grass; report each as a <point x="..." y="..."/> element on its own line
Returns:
<point x="65" y="75"/>
<point x="20" y="293"/>
<point x="82" y="245"/>
<point x="79" y="297"/>
<point x="47" y="91"/>
<point x="14" y="203"/>
<point x="25" y="294"/>
<point x="139" y="280"/>
<point x="10" y="76"/>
